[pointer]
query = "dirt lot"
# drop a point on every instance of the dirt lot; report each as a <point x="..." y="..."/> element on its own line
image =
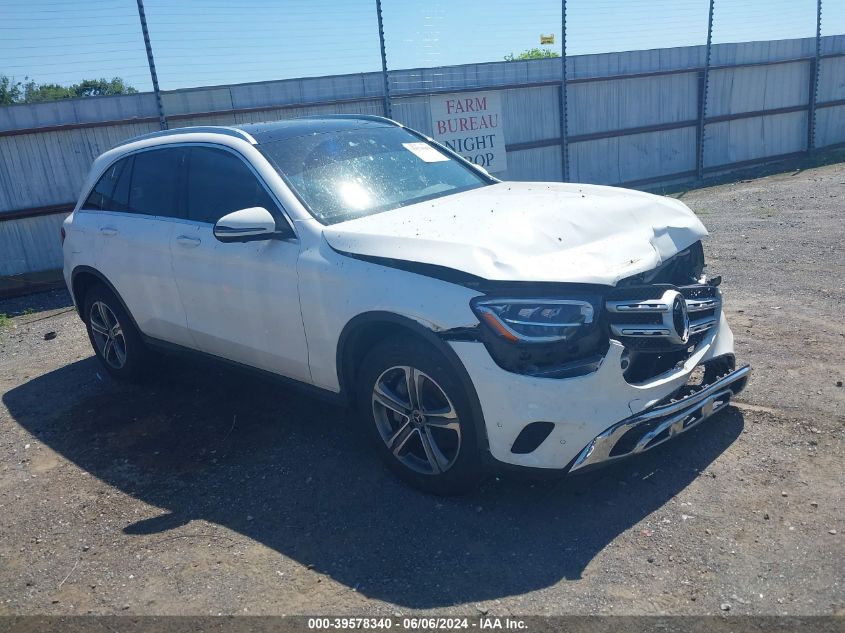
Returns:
<point x="209" y="492"/>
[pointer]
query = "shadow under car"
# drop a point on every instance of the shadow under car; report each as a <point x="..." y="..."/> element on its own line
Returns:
<point x="214" y="444"/>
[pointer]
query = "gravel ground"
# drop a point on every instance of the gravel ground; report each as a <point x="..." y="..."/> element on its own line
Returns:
<point x="208" y="492"/>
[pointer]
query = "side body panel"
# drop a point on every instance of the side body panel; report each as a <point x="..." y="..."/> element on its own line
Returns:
<point x="241" y="299"/>
<point x="334" y="289"/>
<point x="79" y="247"/>
<point x="255" y="320"/>
<point x="133" y="253"/>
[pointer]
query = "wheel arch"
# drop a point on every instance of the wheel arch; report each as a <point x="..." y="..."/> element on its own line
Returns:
<point x="365" y="330"/>
<point x="82" y="278"/>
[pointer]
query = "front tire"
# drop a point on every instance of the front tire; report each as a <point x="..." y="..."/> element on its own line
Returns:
<point x="417" y="414"/>
<point x="113" y="335"/>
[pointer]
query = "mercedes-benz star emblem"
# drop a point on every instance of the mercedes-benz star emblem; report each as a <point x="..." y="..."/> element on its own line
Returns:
<point x="680" y="318"/>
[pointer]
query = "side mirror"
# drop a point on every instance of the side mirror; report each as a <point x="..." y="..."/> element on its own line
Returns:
<point x="246" y="225"/>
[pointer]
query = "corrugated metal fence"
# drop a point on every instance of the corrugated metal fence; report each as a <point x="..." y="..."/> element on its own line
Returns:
<point x="633" y="119"/>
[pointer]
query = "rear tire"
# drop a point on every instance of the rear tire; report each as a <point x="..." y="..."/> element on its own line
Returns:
<point x="113" y="335"/>
<point x="417" y="414"/>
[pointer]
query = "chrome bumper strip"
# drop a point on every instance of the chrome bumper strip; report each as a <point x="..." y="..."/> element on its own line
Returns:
<point x="662" y="422"/>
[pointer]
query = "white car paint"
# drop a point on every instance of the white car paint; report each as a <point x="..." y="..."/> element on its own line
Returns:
<point x="255" y="221"/>
<point x="241" y="299"/>
<point x="133" y="251"/>
<point x="282" y="305"/>
<point x="334" y="289"/>
<point x="579" y="407"/>
<point x="516" y="231"/>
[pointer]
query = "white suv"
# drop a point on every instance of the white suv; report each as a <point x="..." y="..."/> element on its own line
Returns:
<point x="474" y="323"/>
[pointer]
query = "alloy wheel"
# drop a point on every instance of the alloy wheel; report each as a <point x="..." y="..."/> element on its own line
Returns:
<point x="416" y="420"/>
<point x="108" y="335"/>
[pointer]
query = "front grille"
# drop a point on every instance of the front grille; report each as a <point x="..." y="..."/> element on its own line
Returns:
<point x="662" y="315"/>
<point x="659" y="317"/>
<point x="704" y="305"/>
<point x="658" y="332"/>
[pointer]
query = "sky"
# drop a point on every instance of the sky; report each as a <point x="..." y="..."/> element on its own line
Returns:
<point x="209" y="42"/>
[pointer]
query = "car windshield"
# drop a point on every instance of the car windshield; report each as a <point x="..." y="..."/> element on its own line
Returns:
<point x="340" y="175"/>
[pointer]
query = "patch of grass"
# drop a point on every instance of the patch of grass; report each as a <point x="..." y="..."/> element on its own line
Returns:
<point x="5" y="320"/>
<point x="28" y="311"/>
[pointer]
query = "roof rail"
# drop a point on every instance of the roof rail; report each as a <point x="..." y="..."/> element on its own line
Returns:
<point x="365" y="117"/>
<point x="210" y="129"/>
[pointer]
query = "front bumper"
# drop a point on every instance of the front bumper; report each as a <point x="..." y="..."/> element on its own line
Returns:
<point x="660" y="423"/>
<point x="590" y="414"/>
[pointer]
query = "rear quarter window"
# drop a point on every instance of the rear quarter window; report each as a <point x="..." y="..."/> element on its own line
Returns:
<point x="111" y="193"/>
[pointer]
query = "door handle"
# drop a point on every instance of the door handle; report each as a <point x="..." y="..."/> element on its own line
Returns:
<point x="108" y="231"/>
<point x="188" y="242"/>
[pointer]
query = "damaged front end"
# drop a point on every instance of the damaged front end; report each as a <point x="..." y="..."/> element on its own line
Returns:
<point x="602" y="372"/>
<point x="659" y="316"/>
<point x="689" y="406"/>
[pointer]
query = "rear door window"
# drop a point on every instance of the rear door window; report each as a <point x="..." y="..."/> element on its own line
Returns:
<point x="111" y="192"/>
<point x="155" y="186"/>
<point x="219" y="183"/>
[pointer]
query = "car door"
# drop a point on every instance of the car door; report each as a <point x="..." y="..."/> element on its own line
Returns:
<point x="241" y="299"/>
<point x="130" y="205"/>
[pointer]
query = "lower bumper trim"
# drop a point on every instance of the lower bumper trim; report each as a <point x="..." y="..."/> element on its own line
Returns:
<point x="660" y="423"/>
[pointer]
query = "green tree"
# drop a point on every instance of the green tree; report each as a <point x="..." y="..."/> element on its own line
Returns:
<point x="12" y="91"/>
<point x="37" y="93"/>
<point x="532" y="53"/>
<point x="102" y="87"/>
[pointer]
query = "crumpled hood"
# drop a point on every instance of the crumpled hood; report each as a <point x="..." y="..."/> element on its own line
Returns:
<point x="515" y="231"/>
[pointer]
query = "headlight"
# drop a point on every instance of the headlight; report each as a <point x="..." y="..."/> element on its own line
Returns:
<point x="521" y="320"/>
